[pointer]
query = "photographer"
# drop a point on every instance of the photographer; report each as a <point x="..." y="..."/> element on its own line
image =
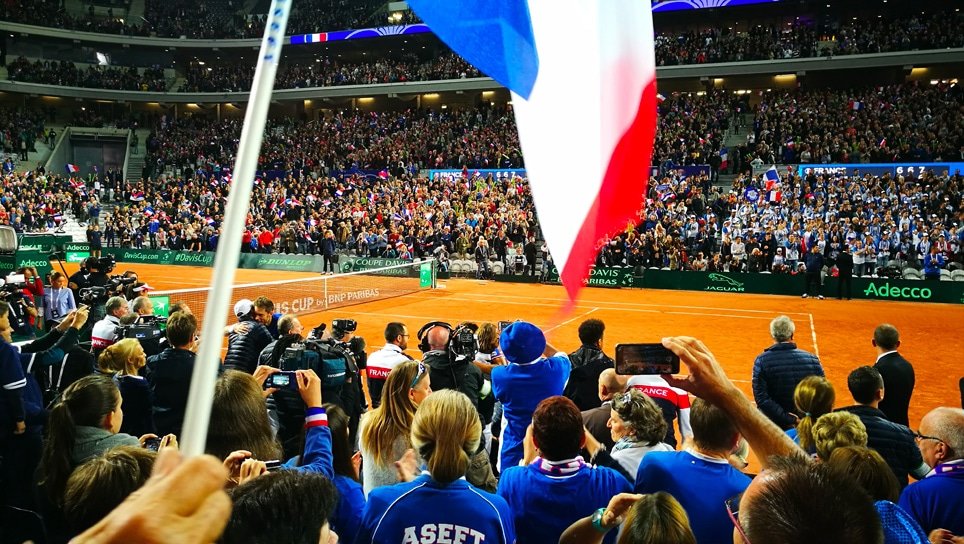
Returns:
<point x="288" y="354"/>
<point x="352" y="397"/>
<point x="23" y="313"/>
<point x="451" y="362"/>
<point x="144" y="309"/>
<point x="104" y="332"/>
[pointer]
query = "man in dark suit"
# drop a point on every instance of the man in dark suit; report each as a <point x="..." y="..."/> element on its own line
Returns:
<point x="897" y="372"/>
<point x="596" y="419"/>
<point x="845" y="268"/>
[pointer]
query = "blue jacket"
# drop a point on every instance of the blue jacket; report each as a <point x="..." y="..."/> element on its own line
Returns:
<point x="424" y="510"/>
<point x="814" y="262"/>
<point x="347" y="518"/>
<point x="520" y="388"/>
<point x="894" y="442"/>
<point x="776" y="373"/>
<point x="545" y="504"/>
<point x="700" y="484"/>
<point x="935" y="502"/>
<point x="933" y="264"/>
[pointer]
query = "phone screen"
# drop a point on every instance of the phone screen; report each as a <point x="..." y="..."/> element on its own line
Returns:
<point x="635" y="359"/>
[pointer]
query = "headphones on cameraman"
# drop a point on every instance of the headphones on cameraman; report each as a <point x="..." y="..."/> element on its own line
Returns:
<point x="423" y="334"/>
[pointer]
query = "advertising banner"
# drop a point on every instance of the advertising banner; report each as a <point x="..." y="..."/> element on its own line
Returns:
<point x="783" y="284"/>
<point x="37" y="259"/>
<point x="598" y="277"/>
<point x="684" y="171"/>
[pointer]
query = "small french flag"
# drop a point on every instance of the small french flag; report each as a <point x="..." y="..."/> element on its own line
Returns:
<point x="883" y="142"/>
<point x="315" y="417"/>
<point x="72" y="168"/>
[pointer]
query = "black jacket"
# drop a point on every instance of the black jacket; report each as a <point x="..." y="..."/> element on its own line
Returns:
<point x="588" y="362"/>
<point x="244" y="349"/>
<point x="169" y="374"/>
<point x="895" y="443"/>
<point x="461" y="376"/>
<point x="776" y="373"/>
<point x="899" y="380"/>
<point x="845" y="263"/>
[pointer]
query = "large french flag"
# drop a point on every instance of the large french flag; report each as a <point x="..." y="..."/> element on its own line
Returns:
<point x="585" y="104"/>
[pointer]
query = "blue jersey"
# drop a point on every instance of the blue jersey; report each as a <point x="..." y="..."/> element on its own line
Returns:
<point x="347" y="516"/>
<point x="426" y="511"/>
<point x="520" y="388"/>
<point x="701" y="485"/>
<point x="546" y="497"/>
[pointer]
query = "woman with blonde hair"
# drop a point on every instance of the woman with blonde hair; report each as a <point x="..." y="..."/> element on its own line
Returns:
<point x="813" y="397"/>
<point x="123" y="360"/>
<point x="837" y="430"/>
<point x="384" y="432"/>
<point x="445" y="432"/>
<point x="656" y="518"/>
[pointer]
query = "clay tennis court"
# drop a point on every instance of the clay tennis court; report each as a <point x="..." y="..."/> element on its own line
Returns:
<point x="733" y="326"/>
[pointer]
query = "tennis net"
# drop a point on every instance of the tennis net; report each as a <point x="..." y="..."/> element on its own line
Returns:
<point x="304" y="296"/>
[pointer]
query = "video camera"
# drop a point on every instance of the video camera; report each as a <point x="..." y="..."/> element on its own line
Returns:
<point x="104" y="264"/>
<point x="147" y="327"/>
<point x="11" y="289"/>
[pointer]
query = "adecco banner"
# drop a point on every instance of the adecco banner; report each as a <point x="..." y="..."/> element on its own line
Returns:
<point x="37" y="259"/>
<point x="782" y="284"/>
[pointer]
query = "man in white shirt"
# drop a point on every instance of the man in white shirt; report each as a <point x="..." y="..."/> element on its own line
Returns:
<point x="381" y="362"/>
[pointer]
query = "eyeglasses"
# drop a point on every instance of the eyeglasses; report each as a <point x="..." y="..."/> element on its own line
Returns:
<point x="733" y="510"/>
<point x="418" y="375"/>
<point x="919" y="437"/>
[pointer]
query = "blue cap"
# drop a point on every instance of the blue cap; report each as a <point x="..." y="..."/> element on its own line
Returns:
<point x="522" y="342"/>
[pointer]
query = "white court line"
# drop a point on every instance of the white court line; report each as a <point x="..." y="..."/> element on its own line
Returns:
<point x="587" y="303"/>
<point x="813" y="333"/>
<point x="568" y="321"/>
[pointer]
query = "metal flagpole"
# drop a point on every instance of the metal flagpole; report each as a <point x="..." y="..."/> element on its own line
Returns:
<point x="194" y="435"/>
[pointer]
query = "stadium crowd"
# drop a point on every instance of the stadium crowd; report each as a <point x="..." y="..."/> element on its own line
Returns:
<point x="909" y="122"/>
<point x="35" y="202"/>
<point x="328" y="72"/>
<point x="494" y="435"/>
<point x="804" y="38"/>
<point x="68" y="74"/>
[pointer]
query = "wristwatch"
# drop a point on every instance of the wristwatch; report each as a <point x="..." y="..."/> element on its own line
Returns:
<point x="597" y="520"/>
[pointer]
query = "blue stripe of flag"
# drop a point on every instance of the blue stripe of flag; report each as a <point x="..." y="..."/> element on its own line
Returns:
<point x="494" y="35"/>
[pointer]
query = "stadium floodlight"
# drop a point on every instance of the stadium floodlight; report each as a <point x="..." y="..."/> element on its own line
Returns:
<point x="198" y="413"/>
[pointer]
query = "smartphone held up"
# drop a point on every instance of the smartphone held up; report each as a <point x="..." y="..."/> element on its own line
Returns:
<point x="637" y="359"/>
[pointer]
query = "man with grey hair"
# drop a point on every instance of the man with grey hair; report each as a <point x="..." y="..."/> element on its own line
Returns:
<point x="778" y="370"/>
<point x="104" y="332"/>
<point x="935" y="501"/>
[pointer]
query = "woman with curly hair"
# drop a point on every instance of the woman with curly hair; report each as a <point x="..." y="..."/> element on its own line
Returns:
<point x="637" y="426"/>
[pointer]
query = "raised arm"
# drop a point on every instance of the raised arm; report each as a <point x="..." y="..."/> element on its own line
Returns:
<point x="708" y="381"/>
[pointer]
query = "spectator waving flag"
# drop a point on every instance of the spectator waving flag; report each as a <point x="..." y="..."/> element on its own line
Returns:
<point x="772" y="177"/>
<point x="583" y="103"/>
<point x="72" y="168"/>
